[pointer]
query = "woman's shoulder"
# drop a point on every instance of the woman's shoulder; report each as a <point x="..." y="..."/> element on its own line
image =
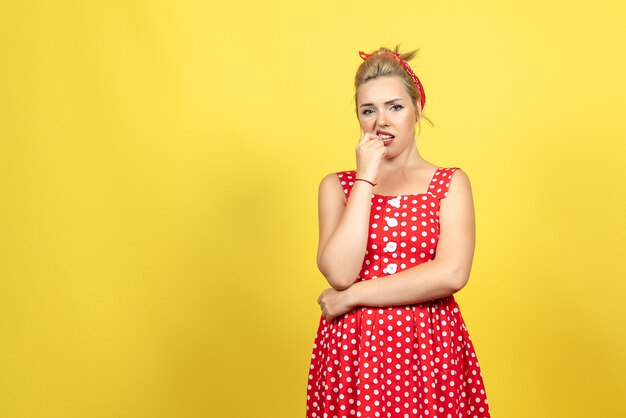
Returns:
<point x="453" y="171"/>
<point x="336" y="185"/>
<point x="338" y="182"/>
<point x="455" y="181"/>
<point x="449" y="169"/>
<point x="341" y="175"/>
<point x="343" y="178"/>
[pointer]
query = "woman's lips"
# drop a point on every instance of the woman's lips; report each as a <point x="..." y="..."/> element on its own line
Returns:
<point x="388" y="136"/>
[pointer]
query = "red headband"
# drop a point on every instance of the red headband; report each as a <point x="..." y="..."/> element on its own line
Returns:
<point x="408" y="69"/>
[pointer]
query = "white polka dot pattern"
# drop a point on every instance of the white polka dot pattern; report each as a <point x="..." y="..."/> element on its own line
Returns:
<point x="402" y="361"/>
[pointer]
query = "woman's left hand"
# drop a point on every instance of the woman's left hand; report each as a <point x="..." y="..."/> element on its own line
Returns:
<point x="335" y="302"/>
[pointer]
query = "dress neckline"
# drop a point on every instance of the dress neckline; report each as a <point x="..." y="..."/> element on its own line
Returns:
<point x="400" y="195"/>
<point x="411" y="194"/>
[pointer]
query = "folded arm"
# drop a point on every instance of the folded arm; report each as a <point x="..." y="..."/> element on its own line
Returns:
<point x="446" y="274"/>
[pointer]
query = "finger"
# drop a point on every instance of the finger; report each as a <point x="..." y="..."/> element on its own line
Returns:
<point x="368" y="137"/>
<point x="373" y="144"/>
<point x="373" y="136"/>
<point x="367" y="142"/>
<point x="362" y="141"/>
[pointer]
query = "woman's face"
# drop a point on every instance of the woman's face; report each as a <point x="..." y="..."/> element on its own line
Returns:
<point x="384" y="104"/>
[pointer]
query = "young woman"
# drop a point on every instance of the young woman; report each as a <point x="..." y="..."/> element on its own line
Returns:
<point x="396" y="241"/>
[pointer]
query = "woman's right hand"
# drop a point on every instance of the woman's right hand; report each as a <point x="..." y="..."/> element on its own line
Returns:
<point x="369" y="153"/>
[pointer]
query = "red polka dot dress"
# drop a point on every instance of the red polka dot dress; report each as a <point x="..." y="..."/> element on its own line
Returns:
<point x="410" y="361"/>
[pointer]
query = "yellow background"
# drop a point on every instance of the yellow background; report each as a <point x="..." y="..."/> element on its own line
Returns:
<point x="159" y="165"/>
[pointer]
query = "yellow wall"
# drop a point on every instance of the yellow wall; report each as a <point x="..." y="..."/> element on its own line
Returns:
<point x="159" y="164"/>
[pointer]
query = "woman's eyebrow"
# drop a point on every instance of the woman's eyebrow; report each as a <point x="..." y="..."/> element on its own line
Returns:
<point x="387" y="102"/>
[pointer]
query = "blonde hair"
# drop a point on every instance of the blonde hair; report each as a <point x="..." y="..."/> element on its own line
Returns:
<point x="380" y="65"/>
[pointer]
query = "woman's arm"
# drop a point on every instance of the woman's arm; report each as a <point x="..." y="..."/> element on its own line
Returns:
<point x="446" y="274"/>
<point x="343" y="229"/>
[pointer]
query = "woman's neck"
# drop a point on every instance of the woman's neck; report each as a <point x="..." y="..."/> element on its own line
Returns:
<point x="410" y="159"/>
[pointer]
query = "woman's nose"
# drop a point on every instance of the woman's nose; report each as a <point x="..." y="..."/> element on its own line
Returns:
<point x="382" y="119"/>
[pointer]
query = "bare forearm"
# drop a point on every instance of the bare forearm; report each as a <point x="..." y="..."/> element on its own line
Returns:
<point x="342" y="257"/>
<point x="424" y="282"/>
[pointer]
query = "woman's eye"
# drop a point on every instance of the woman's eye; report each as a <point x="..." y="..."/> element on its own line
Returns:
<point x="396" y="107"/>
